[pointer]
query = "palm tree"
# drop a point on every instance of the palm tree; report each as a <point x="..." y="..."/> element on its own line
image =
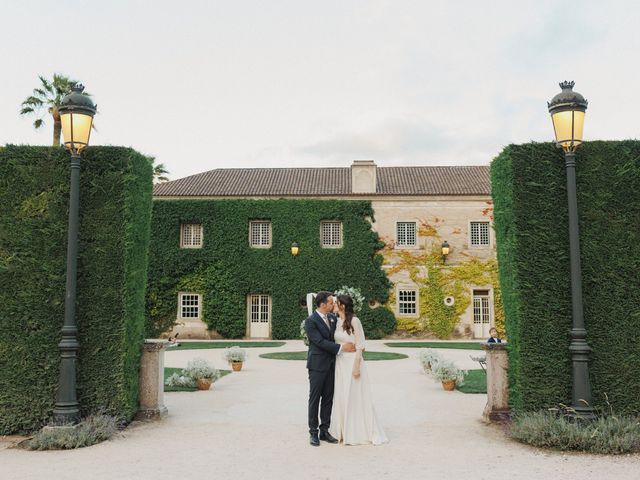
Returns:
<point x="48" y="96"/>
<point x="159" y="171"/>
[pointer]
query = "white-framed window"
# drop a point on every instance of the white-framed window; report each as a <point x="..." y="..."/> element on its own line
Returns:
<point x="407" y="301"/>
<point x="331" y="234"/>
<point x="189" y="306"/>
<point x="479" y="234"/>
<point x="406" y="234"/>
<point x="260" y="233"/>
<point x="191" y="235"/>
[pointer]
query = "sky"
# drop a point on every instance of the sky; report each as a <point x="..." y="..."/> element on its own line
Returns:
<point x="298" y="83"/>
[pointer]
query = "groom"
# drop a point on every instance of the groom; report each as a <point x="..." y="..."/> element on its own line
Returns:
<point x="321" y="363"/>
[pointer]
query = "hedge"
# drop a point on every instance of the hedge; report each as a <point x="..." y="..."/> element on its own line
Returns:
<point x="115" y="209"/>
<point x="226" y="269"/>
<point x="529" y="193"/>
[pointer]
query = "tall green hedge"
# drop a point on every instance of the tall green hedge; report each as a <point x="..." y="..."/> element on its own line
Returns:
<point x="115" y="210"/>
<point x="227" y="269"/>
<point x="529" y="193"/>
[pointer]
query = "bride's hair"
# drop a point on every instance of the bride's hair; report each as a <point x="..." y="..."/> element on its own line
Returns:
<point x="348" y="312"/>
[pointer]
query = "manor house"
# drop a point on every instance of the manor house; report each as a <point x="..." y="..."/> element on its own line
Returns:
<point x="418" y="210"/>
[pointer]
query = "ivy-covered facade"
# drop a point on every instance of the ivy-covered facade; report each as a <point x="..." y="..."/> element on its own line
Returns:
<point x="221" y="261"/>
<point x="238" y="276"/>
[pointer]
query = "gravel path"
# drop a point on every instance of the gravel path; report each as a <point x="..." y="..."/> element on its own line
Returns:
<point x="252" y="425"/>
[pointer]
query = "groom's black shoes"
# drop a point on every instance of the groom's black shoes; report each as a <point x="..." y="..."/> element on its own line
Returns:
<point x="313" y="440"/>
<point x="326" y="437"/>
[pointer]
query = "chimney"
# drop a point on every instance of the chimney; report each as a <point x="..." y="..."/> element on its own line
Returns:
<point x="363" y="176"/>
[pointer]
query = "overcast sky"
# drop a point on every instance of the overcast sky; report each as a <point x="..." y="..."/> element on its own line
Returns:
<point x="285" y="83"/>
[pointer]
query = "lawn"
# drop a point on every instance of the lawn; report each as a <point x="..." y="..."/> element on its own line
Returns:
<point x="475" y="381"/>
<point x="452" y="345"/>
<point x="370" y="356"/>
<point x="168" y="371"/>
<point x="207" y="345"/>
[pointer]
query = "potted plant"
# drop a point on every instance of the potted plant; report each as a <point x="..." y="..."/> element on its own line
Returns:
<point x="236" y="357"/>
<point x="448" y="374"/>
<point x="202" y="371"/>
<point x="429" y="359"/>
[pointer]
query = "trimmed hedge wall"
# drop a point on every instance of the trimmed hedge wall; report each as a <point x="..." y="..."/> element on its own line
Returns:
<point x="115" y="210"/>
<point x="227" y="269"/>
<point x="531" y="222"/>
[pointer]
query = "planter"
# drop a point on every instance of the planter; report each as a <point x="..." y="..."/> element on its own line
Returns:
<point x="448" y="385"/>
<point x="203" y="383"/>
<point x="237" y="366"/>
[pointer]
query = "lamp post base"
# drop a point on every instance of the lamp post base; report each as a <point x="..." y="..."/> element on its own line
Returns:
<point x="66" y="415"/>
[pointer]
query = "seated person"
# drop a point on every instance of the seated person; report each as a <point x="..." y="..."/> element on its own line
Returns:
<point x="494" y="336"/>
<point x="173" y="341"/>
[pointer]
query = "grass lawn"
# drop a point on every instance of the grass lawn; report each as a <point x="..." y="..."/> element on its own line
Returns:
<point x="303" y="356"/>
<point x="206" y="345"/>
<point x="168" y="371"/>
<point x="453" y="345"/>
<point x="475" y="381"/>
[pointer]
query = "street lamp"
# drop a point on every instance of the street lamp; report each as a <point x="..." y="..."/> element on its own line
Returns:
<point x="295" y="249"/>
<point x="76" y="113"/>
<point x="567" y="111"/>
<point x="445" y="251"/>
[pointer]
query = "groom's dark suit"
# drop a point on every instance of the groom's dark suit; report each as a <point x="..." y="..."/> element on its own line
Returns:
<point x="321" y="363"/>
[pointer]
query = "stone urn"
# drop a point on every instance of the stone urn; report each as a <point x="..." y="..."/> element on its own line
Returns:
<point x="203" y="383"/>
<point x="449" y="385"/>
<point x="237" y="366"/>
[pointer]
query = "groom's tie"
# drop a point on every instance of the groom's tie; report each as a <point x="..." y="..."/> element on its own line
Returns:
<point x="326" y="321"/>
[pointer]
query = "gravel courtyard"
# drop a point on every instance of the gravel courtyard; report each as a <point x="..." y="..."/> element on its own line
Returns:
<point x="252" y="425"/>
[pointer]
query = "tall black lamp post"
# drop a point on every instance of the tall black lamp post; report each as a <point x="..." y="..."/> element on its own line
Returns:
<point x="76" y="113"/>
<point x="567" y="111"/>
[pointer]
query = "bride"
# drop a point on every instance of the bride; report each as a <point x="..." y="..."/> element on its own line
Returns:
<point x="353" y="418"/>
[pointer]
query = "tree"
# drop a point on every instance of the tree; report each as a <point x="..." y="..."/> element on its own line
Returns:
<point x="159" y="171"/>
<point x="48" y="96"/>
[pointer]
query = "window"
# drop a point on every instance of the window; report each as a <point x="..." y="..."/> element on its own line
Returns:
<point x="407" y="302"/>
<point x="190" y="306"/>
<point x="479" y="234"/>
<point x="191" y="235"/>
<point x="260" y="234"/>
<point x="331" y="234"/>
<point x="406" y="234"/>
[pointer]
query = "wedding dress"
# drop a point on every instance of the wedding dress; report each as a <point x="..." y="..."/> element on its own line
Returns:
<point x="353" y="417"/>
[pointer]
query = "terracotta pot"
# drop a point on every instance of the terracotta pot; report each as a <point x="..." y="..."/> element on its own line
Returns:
<point x="448" y="385"/>
<point x="237" y="366"/>
<point x="203" y="383"/>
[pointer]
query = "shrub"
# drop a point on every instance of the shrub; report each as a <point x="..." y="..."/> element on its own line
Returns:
<point x="93" y="429"/>
<point x="528" y="185"/>
<point x="607" y="434"/>
<point x="115" y="216"/>
<point x="377" y="322"/>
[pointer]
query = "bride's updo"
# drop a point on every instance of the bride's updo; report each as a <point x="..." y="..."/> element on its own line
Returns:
<point x="348" y="312"/>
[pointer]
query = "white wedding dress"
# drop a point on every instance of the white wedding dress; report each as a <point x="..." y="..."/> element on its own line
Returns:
<point x="353" y="418"/>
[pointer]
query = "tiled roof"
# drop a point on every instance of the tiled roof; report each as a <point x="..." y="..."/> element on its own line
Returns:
<point x="276" y="182"/>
